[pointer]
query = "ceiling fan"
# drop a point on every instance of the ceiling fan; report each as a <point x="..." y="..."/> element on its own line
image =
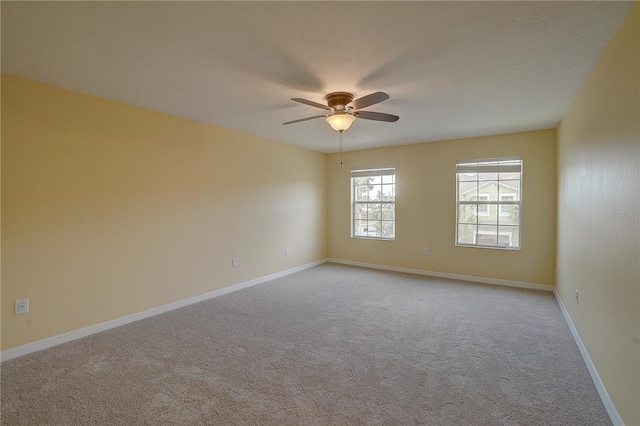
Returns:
<point x="342" y="110"/>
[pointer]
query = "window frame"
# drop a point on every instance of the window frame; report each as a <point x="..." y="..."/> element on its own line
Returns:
<point x="489" y="162"/>
<point x="373" y="172"/>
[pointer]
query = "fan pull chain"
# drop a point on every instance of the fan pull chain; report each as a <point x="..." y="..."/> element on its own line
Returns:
<point x="341" y="147"/>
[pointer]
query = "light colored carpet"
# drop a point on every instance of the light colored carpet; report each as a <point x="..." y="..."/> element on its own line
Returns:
<point x="329" y="345"/>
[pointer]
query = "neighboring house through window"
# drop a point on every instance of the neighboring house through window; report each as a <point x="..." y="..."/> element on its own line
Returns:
<point x="488" y="197"/>
<point x="373" y="208"/>
<point x="483" y="209"/>
<point x="506" y="209"/>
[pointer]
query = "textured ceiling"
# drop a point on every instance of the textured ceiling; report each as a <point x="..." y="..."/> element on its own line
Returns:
<point x="452" y="69"/>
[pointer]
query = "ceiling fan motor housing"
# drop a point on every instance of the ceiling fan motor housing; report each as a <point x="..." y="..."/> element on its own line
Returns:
<point x="338" y="100"/>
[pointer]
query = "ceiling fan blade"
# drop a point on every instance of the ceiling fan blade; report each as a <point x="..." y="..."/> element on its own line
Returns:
<point x="311" y="103"/>
<point x="305" y="119"/>
<point x="369" y="100"/>
<point x="377" y="116"/>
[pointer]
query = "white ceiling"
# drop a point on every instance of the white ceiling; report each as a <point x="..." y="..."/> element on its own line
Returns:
<point x="452" y="69"/>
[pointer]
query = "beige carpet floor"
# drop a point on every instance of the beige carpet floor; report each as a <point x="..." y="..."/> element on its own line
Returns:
<point x="332" y="345"/>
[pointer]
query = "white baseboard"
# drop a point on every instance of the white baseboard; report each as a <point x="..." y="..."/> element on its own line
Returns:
<point x="483" y="280"/>
<point x="602" y="391"/>
<point x="87" y="331"/>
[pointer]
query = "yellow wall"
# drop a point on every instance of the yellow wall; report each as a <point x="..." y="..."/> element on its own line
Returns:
<point x="598" y="242"/>
<point x="426" y="208"/>
<point x="110" y="209"/>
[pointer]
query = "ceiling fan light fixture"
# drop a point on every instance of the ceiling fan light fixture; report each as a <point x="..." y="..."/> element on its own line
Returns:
<point x="340" y="122"/>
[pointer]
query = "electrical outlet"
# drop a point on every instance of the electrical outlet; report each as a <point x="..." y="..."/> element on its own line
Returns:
<point x="425" y="251"/>
<point x="22" y="306"/>
<point x="286" y="251"/>
<point x="234" y="262"/>
<point x="577" y="296"/>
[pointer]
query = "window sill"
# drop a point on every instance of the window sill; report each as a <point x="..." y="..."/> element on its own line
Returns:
<point x="357" y="237"/>
<point x="489" y="247"/>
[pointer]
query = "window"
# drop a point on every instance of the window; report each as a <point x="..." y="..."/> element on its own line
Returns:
<point x="373" y="203"/>
<point x="483" y="209"/>
<point x="488" y="196"/>
<point x="506" y="209"/>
